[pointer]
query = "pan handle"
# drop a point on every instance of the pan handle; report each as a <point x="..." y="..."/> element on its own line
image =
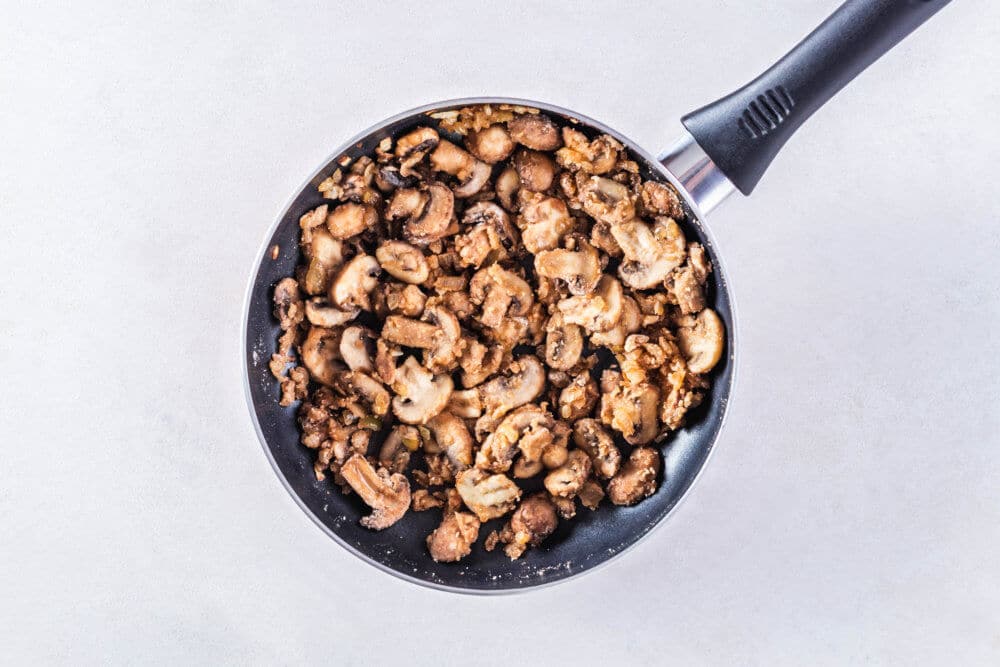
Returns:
<point x="743" y="131"/>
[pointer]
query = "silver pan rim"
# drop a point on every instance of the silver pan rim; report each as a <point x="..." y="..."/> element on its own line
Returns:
<point x="732" y="347"/>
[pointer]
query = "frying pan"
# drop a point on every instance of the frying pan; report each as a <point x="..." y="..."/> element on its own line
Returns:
<point x="727" y="146"/>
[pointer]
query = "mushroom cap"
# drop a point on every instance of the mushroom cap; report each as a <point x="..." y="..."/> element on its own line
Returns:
<point x="387" y="495"/>
<point x="491" y="144"/>
<point x="433" y="222"/>
<point x="599" y="311"/>
<point x="593" y="439"/>
<point x="354" y="282"/>
<point x="357" y="345"/>
<point x="403" y="261"/>
<point x="536" y="131"/>
<point x="652" y="252"/>
<point x="544" y="221"/>
<point x="453" y="436"/>
<point x="701" y="340"/>
<point x="536" y="170"/>
<point x="580" y="269"/>
<point x="321" y="355"/>
<point x="453" y="539"/>
<point x="563" y="343"/>
<point x="351" y="219"/>
<point x="522" y="384"/>
<point x="420" y="395"/>
<point x="488" y="496"/>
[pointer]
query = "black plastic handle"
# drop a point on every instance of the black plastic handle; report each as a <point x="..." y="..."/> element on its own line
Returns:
<point x="743" y="131"/>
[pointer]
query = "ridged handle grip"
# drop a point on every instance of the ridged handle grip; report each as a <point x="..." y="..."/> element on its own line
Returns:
<point x="743" y="131"/>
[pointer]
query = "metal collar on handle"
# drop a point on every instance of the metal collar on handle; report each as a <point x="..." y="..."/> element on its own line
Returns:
<point x="704" y="182"/>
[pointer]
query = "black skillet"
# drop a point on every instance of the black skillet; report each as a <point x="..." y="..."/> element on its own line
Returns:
<point x="727" y="146"/>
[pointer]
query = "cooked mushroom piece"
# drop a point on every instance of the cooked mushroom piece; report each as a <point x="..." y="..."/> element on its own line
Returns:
<point x="352" y="287"/>
<point x="452" y="435"/>
<point x="507" y="185"/>
<point x="566" y="480"/>
<point x="453" y="539"/>
<point x="580" y="268"/>
<point x="632" y="409"/>
<point x="387" y="495"/>
<point x="399" y="299"/>
<point x="420" y="395"/>
<point x="687" y="290"/>
<point x="356" y="383"/>
<point x="499" y="448"/>
<point x="440" y="335"/>
<point x="471" y="173"/>
<point x="437" y="215"/>
<point x="597" y="156"/>
<point x="591" y="494"/>
<point x="325" y="255"/>
<point x="661" y="199"/>
<point x="578" y="398"/>
<point x="652" y="253"/>
<point x="357" y="345"/>
<point x="351" y="219"/>
<point x="592" y="438"/>
<point x="491" y="145"/>
<point x="535" y="131"/>
<point x="394" y="454"/>
<point x="701" y="340"/>
<point x="533" y="521"/>
<point x="637" y="478"/>
<point x="403" y="261"/>
<point x="320" y="312"/>
<point x="288" y="308"/>
<point x="479" y="362"/>
<point x="523" y="384"/>
<point x="630" y="322"/>
<point x="543" y="223"/>
<point x="321" y="355"/>
<point x="605" y="200"/>
<point x="599" y="311"/>
<point x="489" y="496"/>
<point x="411" y="148"/>
<point x="500" y="293"/>
<point x="536" y="170"/>
<point x="465" y="403"/>
<point x="563" y="343"/>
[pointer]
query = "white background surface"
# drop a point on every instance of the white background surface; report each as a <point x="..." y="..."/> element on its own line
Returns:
<point x="850" y="515"/>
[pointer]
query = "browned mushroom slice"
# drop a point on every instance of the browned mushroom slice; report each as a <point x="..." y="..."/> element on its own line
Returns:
<point x="488" y="496"/>
<point x="535" y="131"/>
<point x="356" y="383"/>
<point x="701" y="340"/>
<point x="352" y="287"/>
<point x="351" y="219"/>
<point x="591" y="494"/>
<point x="453" y="539"/>
<point x="357" y="344"/>
<point x="536" y="170"/>
<point x="580" y="268"/>
<point x="533" y="521"/>
<point x="471" y="173"/>
<point x="577" y="399"/>
<point x="396" y="298"/>
<point x="597" y="156"/>
<point x="288" y="309"/>
<point x="567" y="480"/>
<point x="544" y="221"/>
<point x="411" y="148"/>
<point x="387" y="495"/>
<point x="452" y="435"/>
<point x="522" y="384"/>
<point x="630" y="322"/>
<point x="436" y="215"/>
<point x="403" y="261"/>
<point x="637" y="478"/>
<point x="528" y="422"/>
<point x="500" y="293"/>
<point x="465" y="403"/>
<point x="325" y="255"/>
<point x="563" y="343"/>
<point x="394" y="454"/>
<point x="632" y="411"/>
<point x="605" y="200"/>
<point x="320" y="312"/>
<point x="491" y="145"/>
<point x="321" y="355"/>
<point x="652" y="252"/>
<point x="507" y="186"/>
<point x="592" y="438"/>
<point x="479" y="362"/>
<point x="687" y="290"/>
<point x="599" y="311"/>
<point x="661" y="199"/>
<point x="420" y="395"/>
<point x="440" y="335"/>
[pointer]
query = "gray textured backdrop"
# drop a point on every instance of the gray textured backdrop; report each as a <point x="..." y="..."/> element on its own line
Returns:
<point x="850" y="514"/>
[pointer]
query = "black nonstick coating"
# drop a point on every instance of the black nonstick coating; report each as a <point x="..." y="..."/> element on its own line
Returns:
<point x="588" y="540"/>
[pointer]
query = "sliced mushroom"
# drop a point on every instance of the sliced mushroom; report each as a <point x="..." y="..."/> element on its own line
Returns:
<point x="533" y="521"/>
<point x="357" y="344"/>
<point x="597" y="156"/>
<point x="488" y="496"/>
<point x="471" y="173"/>
<point x="599" y="311"/>
<point x="400" y="299"/>
<point x="491" y="145"/>
<point x="630" y="322"/>
<point x="701" y="340"/>
<point x="652" y="252"/>
<point x="523" y="384"/>
<point x="507" y="186"/>
<point x="394" y="454"/>
<point x="351" y="219"/>
<point x="320" y="312"/>
<point x="605" y="200"/>
<point x="502" y="445"/>
<point x="535" y="131"/>
<point x="452" y="435"/>
<point x="637" y="478"/>
<point x="465" y="403"/>
<point x="288" y="308"/>
<point x="403" y="261"/>
<point x="435" y="219"/>
<point x="387" y="495"/>
<point x="411" y="148"/>
<point x="407" y="203"/>
<point x="352" y="287"/>
<point x="544" y="221"/>
<point x="566" y="480"/>
<point x="491" y="236"/>
<point x="580" y="268"/>
<point x="321" y="355"/>
<point x="420" y="395"/>
<point x="563" y="343"/>
<point x="356" y="383"/>
<point x="578" y="398"/>
<point x="661" y="199"/>
<point x="632" y="411"/>
<point x="453" y="539"/>
<point x="591" y="494"/>
<point x="440" y="335"/>
<point x="687" y="290"/>
<point x="325" y="255"/>
<point x="592" y="438"/>
<point x="479" y="362"/>
<point x="536" y="170"/>
<point x="500" y="293"/>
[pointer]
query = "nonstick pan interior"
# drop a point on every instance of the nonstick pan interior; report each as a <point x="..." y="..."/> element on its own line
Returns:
<point x="588" y="540"/>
